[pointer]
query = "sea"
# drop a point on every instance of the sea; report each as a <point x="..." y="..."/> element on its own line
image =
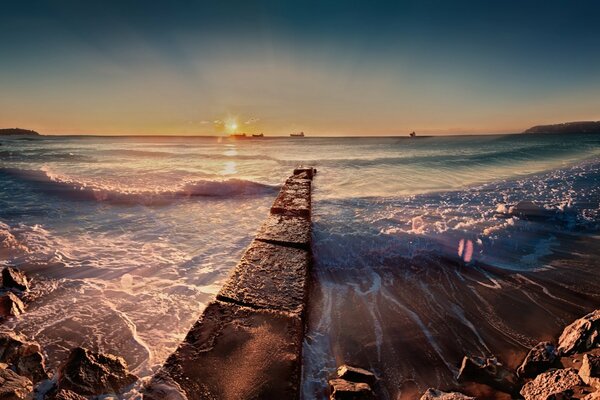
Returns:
<point x="420" y="254"/>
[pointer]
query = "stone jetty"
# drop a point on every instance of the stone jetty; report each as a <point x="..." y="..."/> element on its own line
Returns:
<point x="247" y="343"/>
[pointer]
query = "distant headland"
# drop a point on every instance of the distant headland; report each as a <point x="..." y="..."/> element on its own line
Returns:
<point x="18" y="131"/>
<point x="567" y="127"/>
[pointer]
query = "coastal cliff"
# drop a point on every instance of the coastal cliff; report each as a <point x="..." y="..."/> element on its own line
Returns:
<point x="567" y="127"/>
<point x="17" y="131"/>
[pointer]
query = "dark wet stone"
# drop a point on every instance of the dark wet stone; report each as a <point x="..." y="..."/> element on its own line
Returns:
<point x="286" y="230"/>
<point x="11" y="305"/>
<point x="269" y="276"/>
<point x="354" y="374"/>
<point x="590" y="370"/>
<point x="12" y="278"/>
<point x="531" y="211"/>
<point x="235" y="353"/>
<point x="342" y="389"/>
<point x="581" y="335"/>
<point x="434" y="394"/>
<point x="539" y="359"/>
<point x="89" y="373"/>
<point x="13" y="386"/>
<point x="552" y="384"/>
<point x="489" y="372"/>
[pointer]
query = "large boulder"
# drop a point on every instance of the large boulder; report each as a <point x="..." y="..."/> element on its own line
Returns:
<point x="590" y="370"/>
<point x="581" y="335"/>
<point x="354" y="374"/>
<point x="489" y="372"/>
<point x="342" y="389"/>
<point x="554" y="384"/>
<point x="24" y="356"/>
<point x="12" y="385"/>
<point x="434" y="394"/>
<point x="90" y="373"/>
<point x="539" y="359"/>
<point x="12" y="278"/>
<point x="10" y="305"/>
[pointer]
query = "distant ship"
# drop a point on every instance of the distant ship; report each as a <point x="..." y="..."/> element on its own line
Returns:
<point x="300" y="134"/>
<point x="237" y="135"/>
<point x="257" y="135"/>
<point x="412" y="134"/>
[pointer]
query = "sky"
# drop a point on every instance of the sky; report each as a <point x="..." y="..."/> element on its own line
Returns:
<point x="331" y="68"/>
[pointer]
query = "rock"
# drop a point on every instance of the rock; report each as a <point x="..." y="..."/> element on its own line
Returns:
<point x="581" y="335"/>
<point x="489" y="372"/>
<point x="592" y="396"/>
<point x="24" y="356"/>
<point x="551" y="385"/>
<point x="63" y="394"/>
<point x="342" y="389"/>
<point x="11" y="305"/>
<point x="32" y="366"/>
<point x="13" y="278"/>
<point x="539" y="359"/>
<point x="590" y="370"/>
<point x="530" y="210"/>
<point x="354" y="374"/>
<point x="90" y="373"/>
<point x="434" y="394"/>
<point x="13" y="386"/>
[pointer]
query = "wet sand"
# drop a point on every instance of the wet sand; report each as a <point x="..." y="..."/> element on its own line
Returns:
<point x="412" y="320"/>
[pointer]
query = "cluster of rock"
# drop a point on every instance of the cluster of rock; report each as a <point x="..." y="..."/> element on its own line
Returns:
<point x="23" y="366"/>
<point x="352" y="383"/>
<point x="569" y="370"/>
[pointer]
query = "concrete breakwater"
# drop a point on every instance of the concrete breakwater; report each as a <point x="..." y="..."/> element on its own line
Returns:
<point x="248" y="342"/>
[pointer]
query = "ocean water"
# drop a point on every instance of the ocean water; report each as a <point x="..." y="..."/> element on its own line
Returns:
<point x="416" y="263"/>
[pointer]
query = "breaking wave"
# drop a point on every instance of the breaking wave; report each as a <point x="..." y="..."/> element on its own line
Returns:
<point x="76" y="189"/>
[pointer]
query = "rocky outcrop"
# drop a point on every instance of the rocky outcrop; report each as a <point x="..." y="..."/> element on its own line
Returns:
<point x="434" y="394"/>
<point x="17" y="131"/>
<point x="12" y="278"/>
<point x="590" y="370"/>
<point x="556" y="383"/>
<point x="342" y="389"/>
<point x="567" y="127"/>
<point x="90" y="373"/>
<point x="539" y="359"/>
<point x="12" y="385"/>
<point x="489" y="372"/>
<point x="355" y="374"/>
<point x="10" y="305"/>
<point x="581" y="335"/>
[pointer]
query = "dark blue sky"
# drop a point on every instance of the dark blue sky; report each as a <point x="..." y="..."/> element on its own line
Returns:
<point x="343" y="67"/>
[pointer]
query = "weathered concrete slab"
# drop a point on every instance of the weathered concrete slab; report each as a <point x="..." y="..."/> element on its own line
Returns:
<point x="247" y="344"/>
<point x="308" y="171"/>
<point x="286" y="230"/>
<point x="293" y="201"/>
<point x="271" y="277"/>
<point x="234" y="353"/>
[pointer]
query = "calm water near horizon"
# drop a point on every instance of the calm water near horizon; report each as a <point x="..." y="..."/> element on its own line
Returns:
<point x="130" y="237"/>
